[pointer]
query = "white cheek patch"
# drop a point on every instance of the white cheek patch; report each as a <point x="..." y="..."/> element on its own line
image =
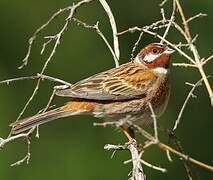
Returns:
<point x="149" y="58"/>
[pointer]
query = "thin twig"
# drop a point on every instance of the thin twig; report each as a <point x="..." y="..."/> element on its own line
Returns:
<point x="170" y="22"/>
<point x="195" y="52"/>
<point x="57" y="39"/>
<point x="45" y="109"/>
<point x="38" y="31"/>
<point x="49" y="101"/>
<point x="12" y="138"/>
<point x="196" y="16"/>
<point x="163" y="14"/>
<point x="166" y="148"/>
<point x="161" y="145"/>
<point x="190" y="173"/>
<point x="163" y="2"/>
<point x="98" y="31"/>
<point x="137" y="170"/>
<point x="27" y="156"/>
<point x="38" y="76"/>
<point x="154" y="122"/>
<point x="114" y="28"/>
<point x="163" y="170"/>
<point x="190" y="94"/>
<point x="185" y="23"/>
<point x="169" y="156"/>
<point x="170" y="44"/>
<point x="184" y="65"/>
<point x="136" y="44"/>
<point x="116" y="147"/>
<point x="134" y="29"/>
<point x="154" y="26"/>
<point x="207" y="60"/>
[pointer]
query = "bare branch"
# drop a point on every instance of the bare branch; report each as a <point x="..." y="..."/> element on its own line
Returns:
<point x="184" y="65"/>
<point x="38" y="31"/>
<point x="135" y="45"/>
<point x="163" y="2"/>
<point x="26" y="157"/>
<point x="207" y="60"/>
<point x="190" y="94"/>
<point x="12" y="138"/>
<point x="170" y="22"/>
<point x="98" y="31"/>
<point x="195" y="52"/>
<point x="185" y="23"/>
<point x="169" y="156"/>
<point x="113" y="147"/>
<point x="134" y="29"/>
<point x="154" y="122"/>
<point x="179" y="147"/>
<point x="163" y="14"/>
<point x="114" y="28"/>
<point x="137" y="170"/>
<point x="159" y="144"/>
<point x="163" y="170"/>
<point x="57" y="38"/>
<point x="38" y="76"/>
<point x="196" y="16"/>
<point x="167" y="149"/>
<point x="171" y="44"/>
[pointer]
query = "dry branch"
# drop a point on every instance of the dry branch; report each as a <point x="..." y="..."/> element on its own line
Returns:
<point x="57" y="38"/>
<point x="98" y="31"/>
<point x="114" y="30"/>
<point x="194" y="50"/>
<point x="137" y="170"/>
<point x="190" y="94"/>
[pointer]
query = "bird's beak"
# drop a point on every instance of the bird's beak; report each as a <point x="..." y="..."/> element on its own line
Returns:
<point x="169" y="50"/>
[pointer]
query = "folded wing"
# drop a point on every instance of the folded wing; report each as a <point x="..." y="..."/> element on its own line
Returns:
<point x="128" y="81"/>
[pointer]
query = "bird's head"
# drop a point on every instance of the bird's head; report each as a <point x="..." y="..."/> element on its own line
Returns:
<point x="155" y="56"/>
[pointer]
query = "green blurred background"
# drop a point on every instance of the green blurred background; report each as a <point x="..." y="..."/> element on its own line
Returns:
<point x="72" y="148"/>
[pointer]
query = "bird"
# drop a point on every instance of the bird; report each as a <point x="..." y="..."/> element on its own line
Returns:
<point x="120" y="93"/>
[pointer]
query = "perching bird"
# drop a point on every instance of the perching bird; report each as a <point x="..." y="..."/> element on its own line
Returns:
<point x="118" y="93"/>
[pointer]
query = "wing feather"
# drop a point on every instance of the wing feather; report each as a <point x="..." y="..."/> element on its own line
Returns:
<point x="128" y="81"/>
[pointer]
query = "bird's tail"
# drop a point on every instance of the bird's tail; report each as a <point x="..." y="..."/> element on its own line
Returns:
<point x="70" y="109"/>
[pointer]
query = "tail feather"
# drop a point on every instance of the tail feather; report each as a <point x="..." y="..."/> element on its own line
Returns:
<point x="27" y="123"/>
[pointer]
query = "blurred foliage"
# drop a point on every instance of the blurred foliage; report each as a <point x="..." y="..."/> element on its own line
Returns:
<point x="72" y="148"/>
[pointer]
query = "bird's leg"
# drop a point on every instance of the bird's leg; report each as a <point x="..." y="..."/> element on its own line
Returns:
<point x="129" y="133"/>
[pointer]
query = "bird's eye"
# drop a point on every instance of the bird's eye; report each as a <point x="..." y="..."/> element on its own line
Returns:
<point x="155" y="51"/>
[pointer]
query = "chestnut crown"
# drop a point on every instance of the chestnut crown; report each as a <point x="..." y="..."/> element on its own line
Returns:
<point x="155" y="55"/>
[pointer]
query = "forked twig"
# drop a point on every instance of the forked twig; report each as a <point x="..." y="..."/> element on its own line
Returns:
<point x="190" y="94"/>
<point x="72" y="9"/>
<point x="167" y="148"/>
<point x="158" y="143"/>
<point x="38" y="76"/>
<point x="194" y="50"/>
<point x="137" y="170"/>
<point x="98" y="31"/>
<point x="170" y="21"/>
